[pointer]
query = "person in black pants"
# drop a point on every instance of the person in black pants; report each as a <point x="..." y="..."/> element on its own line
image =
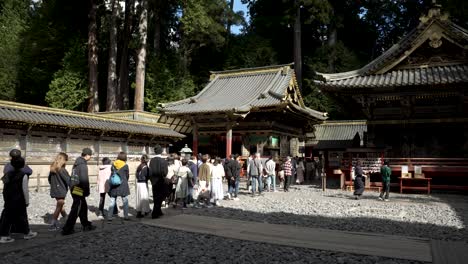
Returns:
<point x="79" y="187"/>
<point x="159" y="168"/>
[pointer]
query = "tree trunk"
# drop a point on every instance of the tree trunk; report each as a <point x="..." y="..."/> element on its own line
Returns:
<point x="140" y="70"/>
<point x="332" y="37"/>
<point x="122" y="86"/>
<point x="93" y="104"/>
<point x="298" y="48"/>
<point x="158" y="11"/>
<point x="112" y="94"/>
<point x="231" y="6"/>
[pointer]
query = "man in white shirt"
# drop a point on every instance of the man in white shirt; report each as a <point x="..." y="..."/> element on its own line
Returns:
<point x="270" y="170"/>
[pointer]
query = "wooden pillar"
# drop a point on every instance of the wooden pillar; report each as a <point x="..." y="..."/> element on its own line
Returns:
<point x="195" y="139"/>
<point x="229" y="141"/>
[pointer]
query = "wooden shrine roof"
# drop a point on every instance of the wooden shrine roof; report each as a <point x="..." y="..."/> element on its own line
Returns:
<point x="336" y="134"/>
<point x="399" y="65"/>
<point x="427" y="76"/>
<point x="246" y="90"/>
<point x="39" y="115"/>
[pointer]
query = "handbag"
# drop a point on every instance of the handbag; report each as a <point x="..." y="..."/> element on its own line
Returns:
<point x="78" y="191"/>
<point x="175" y="178"/>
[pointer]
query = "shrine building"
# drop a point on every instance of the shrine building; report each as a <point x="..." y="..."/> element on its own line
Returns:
<point x="245" y="111"/>
<point x="42" y="132"/>
<point x="415" y="100"/>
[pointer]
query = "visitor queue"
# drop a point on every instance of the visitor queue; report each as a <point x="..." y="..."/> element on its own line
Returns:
<point x="195" y="182"/>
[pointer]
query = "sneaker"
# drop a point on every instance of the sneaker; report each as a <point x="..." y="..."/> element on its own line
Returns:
<point x="53" y="228"/>
<point x="217" y="203"/>
<point x="228" y="196"/>
<point x="88" y="228"/>
<point x="7" y="239"/>
<point x="386" y="200"/>
<point x="380" y="198"/>
<point x="236" y="199"/>
<point x="30" y="235"/>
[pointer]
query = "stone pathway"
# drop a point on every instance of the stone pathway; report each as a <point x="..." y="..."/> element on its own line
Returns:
<point x="408" y="248"/>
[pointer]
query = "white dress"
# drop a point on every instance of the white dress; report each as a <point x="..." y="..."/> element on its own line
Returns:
<point x="217" y="174"/>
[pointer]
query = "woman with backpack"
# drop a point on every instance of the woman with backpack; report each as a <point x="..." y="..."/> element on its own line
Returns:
<point x="118" y="185"/>
<point x="142" y="198"/>
<point x="16" y="200"/>
<point x="59" y="180"/>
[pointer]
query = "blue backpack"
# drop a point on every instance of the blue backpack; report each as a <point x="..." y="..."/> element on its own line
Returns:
<point x="115" y="179"/>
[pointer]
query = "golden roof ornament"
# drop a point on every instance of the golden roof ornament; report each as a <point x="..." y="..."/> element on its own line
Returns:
<point x="434" y="12"/>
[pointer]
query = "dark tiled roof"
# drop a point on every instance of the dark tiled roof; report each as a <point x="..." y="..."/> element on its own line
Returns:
<point x="336" y="134"/>
<point x="406" y="77"/>
<point x="241" y="91"/>
<point x="434" y="22"/>
<point x="57" y="117"/>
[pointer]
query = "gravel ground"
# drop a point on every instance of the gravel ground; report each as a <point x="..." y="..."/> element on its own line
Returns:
<point x="440" y="216"/>
<point x="436" y="216"/>
<point x="147" y="244"/>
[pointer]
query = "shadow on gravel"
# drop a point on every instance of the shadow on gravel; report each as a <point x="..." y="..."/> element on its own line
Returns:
<point x="345" y="223"/>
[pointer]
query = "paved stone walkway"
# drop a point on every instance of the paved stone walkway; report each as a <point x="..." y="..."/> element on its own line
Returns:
<point x="350" y="242"/>
<point x="409" y="248"/>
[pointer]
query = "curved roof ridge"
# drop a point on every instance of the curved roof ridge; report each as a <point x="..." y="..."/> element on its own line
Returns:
<point x="253" y="69"/>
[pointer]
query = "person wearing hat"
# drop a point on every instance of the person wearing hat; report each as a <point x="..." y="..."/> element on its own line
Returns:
<point x="159" y="169"/>
<point x="15" y="153"/>
<point x="79" y="189"/>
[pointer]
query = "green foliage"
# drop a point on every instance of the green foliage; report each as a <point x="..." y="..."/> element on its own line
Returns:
<point x="247" y="51"/>
<point x="166" y="82"/>
<point x="203" y="22"/>
<point x="68" y="89"/>
<point x="13" y="23"/>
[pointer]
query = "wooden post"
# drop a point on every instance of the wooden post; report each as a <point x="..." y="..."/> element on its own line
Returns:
<point x="229" y="141"/>
<point x="195" y="139"/>
<point x="38" y="182"/>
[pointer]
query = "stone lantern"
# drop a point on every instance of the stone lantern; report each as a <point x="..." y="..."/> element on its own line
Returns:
<point x="185" y="152"/>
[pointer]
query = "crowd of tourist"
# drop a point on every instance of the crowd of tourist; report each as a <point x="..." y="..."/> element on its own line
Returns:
<point x="178" y="182"/>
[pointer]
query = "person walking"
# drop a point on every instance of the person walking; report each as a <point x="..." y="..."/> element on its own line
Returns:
<point x="158" y="168"/>
<point x="228" y="175"/>
<point x="204" y="179"/>
<point x="359" y="180"/>
<point x="255" y="173"/>
<point x="104" y="174"/>
<point x="300" y="169"/>
<point x="16" y="201"/>
<point x="119" y="169"/>
<point x="142" y="198"/>
<point x="386" y="172"/>
<point x="270" y="167"/>
<point x="287" y="168"/>
<point x="184" y="175"/>
<point x="217" y="174"/>
<point x="79" y="188"/>
<point x="193" y="166"/>
<point x="59" y="180"/>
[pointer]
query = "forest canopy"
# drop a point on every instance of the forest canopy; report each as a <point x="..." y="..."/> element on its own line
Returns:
<point x="106" y="55"/>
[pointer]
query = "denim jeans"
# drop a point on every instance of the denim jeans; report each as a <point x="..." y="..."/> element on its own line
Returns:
<point x="257" y="180"/>
<point x="113" y="201"/>
<point x="233" y="187"/>
<point x="272" y="181"/>
<point x="385" y="189"/>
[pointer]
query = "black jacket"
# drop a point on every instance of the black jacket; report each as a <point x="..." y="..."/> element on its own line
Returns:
<point x="81" y="169"/>
<point x="59" y="183"/>
<point x="159" y="169"/>
<point x="123" y="189"/>
<point x="13" y="195"/>
<point x="143" y="173"/>
<point x="227" y="169"/>
<point x="233" y="168"/>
